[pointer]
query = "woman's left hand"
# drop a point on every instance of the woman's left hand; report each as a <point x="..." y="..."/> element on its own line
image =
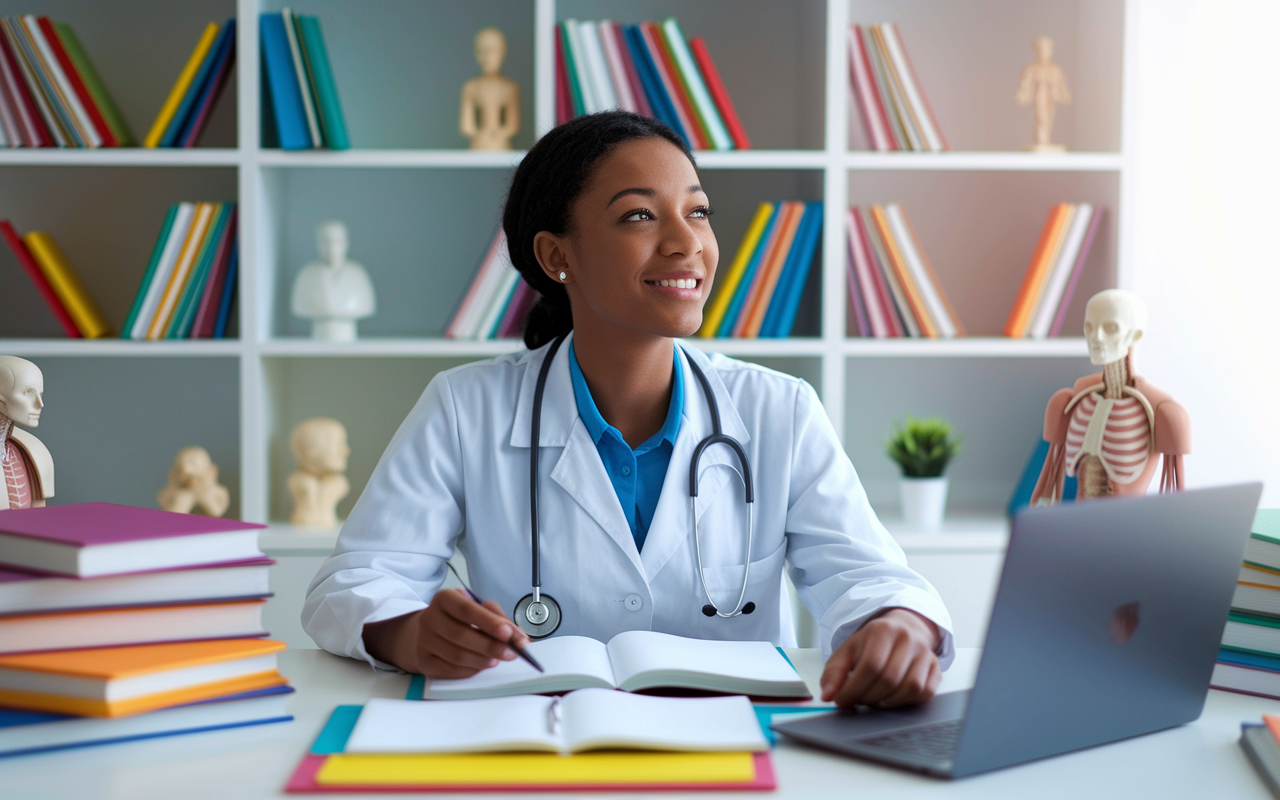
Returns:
<point x="890" y="661"/>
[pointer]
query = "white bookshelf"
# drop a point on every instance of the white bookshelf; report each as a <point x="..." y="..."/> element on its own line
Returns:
<point x="978" y="210"/>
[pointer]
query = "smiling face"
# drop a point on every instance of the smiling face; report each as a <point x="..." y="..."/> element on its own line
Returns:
<point x="640" y="256"/>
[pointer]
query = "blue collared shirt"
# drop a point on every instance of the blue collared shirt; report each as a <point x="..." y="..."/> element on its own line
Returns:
<point x="636" y="475"/>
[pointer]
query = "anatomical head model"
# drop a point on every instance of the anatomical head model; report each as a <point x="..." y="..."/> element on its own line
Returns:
<point x="1111" y="429"/>
<point x="25" y="463"/>
<point x="320" y="447"/>
<point x="193" y="481"/>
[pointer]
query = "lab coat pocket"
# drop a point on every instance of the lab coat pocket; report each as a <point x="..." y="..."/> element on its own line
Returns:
<point x="764" y="581"/>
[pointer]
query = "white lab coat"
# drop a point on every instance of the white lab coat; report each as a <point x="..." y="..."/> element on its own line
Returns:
<point x="456" y="475"/>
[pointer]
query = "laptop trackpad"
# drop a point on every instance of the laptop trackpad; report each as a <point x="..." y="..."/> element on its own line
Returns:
<point x="846" y="725"/>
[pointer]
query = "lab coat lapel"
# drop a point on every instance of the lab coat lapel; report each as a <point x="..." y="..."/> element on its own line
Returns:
<point x="559" y="409"/>
<point x="580" y="472"/>
<point x="672" y="526"/>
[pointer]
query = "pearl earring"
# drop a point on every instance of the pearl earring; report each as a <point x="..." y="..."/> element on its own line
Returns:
<point x="562" y="277"/>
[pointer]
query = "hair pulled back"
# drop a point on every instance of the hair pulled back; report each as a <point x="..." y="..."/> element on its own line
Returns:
<point x="546" y="183"/>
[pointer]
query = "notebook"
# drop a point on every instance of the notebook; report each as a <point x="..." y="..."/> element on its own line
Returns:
<point x="588" y="719"/>
<point x="124" y="626"/>
<point x="90" y="539"/>
<point x="118" y="681"/>
<point x="633" y="661"/>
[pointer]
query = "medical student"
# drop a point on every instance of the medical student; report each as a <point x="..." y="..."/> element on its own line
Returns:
<point x="607" y="220"/>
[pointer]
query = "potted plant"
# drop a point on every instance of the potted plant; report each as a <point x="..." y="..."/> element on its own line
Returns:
<point x="922" y="449"/>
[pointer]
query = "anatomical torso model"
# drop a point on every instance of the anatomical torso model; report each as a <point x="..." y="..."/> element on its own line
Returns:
<point x="25" y="464"/>
<point x="1112" y="430"/>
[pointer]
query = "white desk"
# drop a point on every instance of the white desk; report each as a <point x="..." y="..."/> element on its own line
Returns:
<point x="1200" y="760"/>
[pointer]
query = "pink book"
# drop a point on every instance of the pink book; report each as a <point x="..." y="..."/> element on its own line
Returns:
<point x="1061" y="316"/>
<point x="873" y="115"/>
<point x="207" y="314"/>
<point x="860" y="281"/>
<point x="883" y="292"/>
<point x="465" y="310"/>
<point x="87" y="540"/>
<point x="564" y="103"/>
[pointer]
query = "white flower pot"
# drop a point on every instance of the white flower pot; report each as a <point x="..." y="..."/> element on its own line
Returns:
<point x="923" y="502"/>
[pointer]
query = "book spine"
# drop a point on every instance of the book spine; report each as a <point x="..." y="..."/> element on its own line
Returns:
<point x="1060" y="271"/>
<point x="859" y="272"/>
<point x="67" y="285"/>
<point x="9" y="132"/>
<point x="658" y="100"/>
<point x="691" y="82"/>
<point x="76" y="90"/>
<point x="181" y="271"/>
<point x="576" y="100"/>
<point x="156" y="253"/>
<point x="767" y="282"/>
<point x="300" y="75"/>
<point x="1065" y="303"/>
<point x="617" y="72"/>
<point x="667" y="81"/>
<point x="228" y="292"/>
<point x="37" y="276"/>
<point x="581" y="73"/>
<point x="911" y="91"/>
<point x="34" y="133"/>
<point x="864" y="87"/>
<point x="184" y="310"/>
<point x="513" y="316"/>
<point x="172" y="136"/>
<point x="212" y="88"/>
<point x="177" y="236"/>
<point x="286" y="94"/>
<point x="564" y="95"/>
<point x="631" y="70"/>
<point x="180" y="87"/>
<point x="890" y="93"/>
<point x="61" y="95"/>
<point x="724" y="104"/>
<point x="733" y="276"/>
<point x="758" y="256"/>
<point x="800" y="276"/>
<point x="206" y="315"/>
<point x="36" y="82"/>
<point x="931" y="277"/>
<point x="454" y="328"/>
<point x="331" y="114"/>
<point x="1028" y="293"/>
<point x="771" y="323"/>
<point x="895" y="265"/>
<point x="925" y="111"/>
<point x="101" y="97"/>
<point x="597" y="71"/>
<point x="921" y="278"/>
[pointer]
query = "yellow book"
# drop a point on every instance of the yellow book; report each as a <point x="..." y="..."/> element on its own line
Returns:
<point x="66" y="284"/>
<point x="181" y="270"/>
<point x="180" y="88"/>
<point x="715" y="315"/>
<point x="928" y="327"/>
<point x="520" y="770"/>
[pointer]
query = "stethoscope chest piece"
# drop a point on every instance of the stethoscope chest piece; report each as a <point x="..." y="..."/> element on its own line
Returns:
<point x="537" y="616"/>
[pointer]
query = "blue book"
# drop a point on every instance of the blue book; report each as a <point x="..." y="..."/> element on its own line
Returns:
<point x="1253" y="660"/>
<point x="743" y="288"/>
<point x="658" y="100"/>
<point x="1031" y="475"/>
<point x="224" y="50"/>
<point x="173" y="133"/>
<point x="228" y="292"/>
<point x="780" y="317"/>
<point x="282" y="83"/>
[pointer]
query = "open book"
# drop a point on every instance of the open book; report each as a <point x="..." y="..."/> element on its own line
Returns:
<point x="590" y="719"/>
<point x="633" y="661"/>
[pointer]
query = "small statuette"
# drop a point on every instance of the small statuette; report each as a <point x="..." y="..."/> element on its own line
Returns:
<point x="490" y="113"/>
<point x="320" y="448"/>
<point x="334" y="292"/>
<point x="1042" y="85"/>
<point x="193" y="482"/>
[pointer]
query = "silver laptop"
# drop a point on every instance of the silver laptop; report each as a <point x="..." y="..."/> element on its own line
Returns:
<point x="1105" y="626"/>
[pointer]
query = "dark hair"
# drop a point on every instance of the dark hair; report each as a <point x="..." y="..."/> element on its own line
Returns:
<point x="546" y="184"/>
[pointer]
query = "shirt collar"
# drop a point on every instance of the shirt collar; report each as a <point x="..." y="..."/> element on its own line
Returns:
<point x="595" y="422"/>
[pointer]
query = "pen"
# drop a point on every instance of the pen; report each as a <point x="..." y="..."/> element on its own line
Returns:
<point x="520" y="651"/>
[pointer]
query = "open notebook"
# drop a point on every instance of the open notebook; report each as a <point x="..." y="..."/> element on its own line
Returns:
<point x="588" y="719"/>
<point x="633" y="661"/>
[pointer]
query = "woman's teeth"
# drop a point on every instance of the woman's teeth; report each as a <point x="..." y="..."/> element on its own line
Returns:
<point x="680" y="283"/>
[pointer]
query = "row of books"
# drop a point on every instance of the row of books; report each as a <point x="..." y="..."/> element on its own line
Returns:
<point x="57" y="281"/>
<point x="185" y="111"/>
<point x="649" y="69"/>
<point x="895" y="112"/>
<point x="190" y="283"/>
<point x="1050" y="281"/>
<point x="497" y="300"/>
<point x="121" y="623"/>
<point x="50" y="93"/>
<point x="298" y="83"/>
<point x="760" y="294"/>
<point x="1249" y="659"/>
<point x="893" y="290"/>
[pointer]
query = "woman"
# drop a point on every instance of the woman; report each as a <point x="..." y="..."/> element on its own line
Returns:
<point x="607" y="220"/>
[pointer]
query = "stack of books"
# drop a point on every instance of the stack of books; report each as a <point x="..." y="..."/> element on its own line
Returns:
<point x="1249" y="660"/>
<point x="298" y="84"/>
<point x="121" y="623"/>
<point x="1261" y="743"/>
<point x="59" y="285"/>
<point x="649" y="69"/>
<point x="50" y="93"/>
<point x="760" y="294"/>
<point x="893" y="290"/>
<point x="894" y="109"/>
<point x="185" y="111"/>
<point x="497" y="300"/>
<point x="1050" y="281"/>
<point x="190" y="282"/>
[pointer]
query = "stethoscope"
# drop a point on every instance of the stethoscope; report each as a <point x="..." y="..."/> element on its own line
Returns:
<point x="538" y="614"/>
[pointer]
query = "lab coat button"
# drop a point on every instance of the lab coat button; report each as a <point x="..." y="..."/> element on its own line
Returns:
<point x="633" y="602"/>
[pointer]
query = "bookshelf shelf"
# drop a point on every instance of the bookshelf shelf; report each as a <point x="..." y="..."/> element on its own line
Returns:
<point x="421" y="211"/>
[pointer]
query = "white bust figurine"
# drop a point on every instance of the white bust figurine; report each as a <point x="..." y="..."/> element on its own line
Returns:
<point x="320" y="447"/>
<point x="333" y="293"/>
<point x="25" y="463"/>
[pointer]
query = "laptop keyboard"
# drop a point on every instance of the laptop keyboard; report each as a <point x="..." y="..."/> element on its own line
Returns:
<point x="936" y="742"/>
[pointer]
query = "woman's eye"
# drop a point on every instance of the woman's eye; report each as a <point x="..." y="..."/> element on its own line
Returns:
<point x="638" y="214"/>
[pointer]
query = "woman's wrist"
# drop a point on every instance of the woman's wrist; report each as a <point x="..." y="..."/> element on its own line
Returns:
<point x="394" y="641"/>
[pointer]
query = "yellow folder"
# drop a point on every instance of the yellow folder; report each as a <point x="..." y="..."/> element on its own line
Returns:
<point x="67" y="286"/>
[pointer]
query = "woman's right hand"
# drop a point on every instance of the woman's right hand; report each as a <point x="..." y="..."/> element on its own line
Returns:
<point x="454" y="637"/>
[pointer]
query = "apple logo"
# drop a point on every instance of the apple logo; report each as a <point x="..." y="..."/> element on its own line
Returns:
<point x="1124" y="621"/>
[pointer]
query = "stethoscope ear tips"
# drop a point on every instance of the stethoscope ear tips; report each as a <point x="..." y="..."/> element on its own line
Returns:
<point x="710" y="610"/>
<point x="748" y="608"/>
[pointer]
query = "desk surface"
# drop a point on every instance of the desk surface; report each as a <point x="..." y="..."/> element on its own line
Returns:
<point x="1198" y="760"/>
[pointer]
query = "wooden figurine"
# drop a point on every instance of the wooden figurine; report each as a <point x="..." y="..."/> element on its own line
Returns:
<point x="1111" y="428"/>
<point x="490" y="103"/>
<point x="193" y="481"/>
<point x="1042" y="85"/>
<point x="320" y="447"/>
<point x="334" y="292"/>
<point x="24" y="460"/>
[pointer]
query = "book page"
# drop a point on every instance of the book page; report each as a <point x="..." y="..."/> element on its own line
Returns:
<point x="646" y="660"/>
<point x="597" y="719"/>
<point x="462" y="726"/>
<point x="571" y="662"/>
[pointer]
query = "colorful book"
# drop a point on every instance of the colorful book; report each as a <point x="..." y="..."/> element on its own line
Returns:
<point x="152" y="265"/>
<point x="181" y="86"/>
<point x="281" y="83"/>
<point x="333" y="123"/>
<point x="37" y="276"/>
<point x="658" y="99"/>
<point x="785" y="303"/>
<point x="513" y="324"/>
<point x="35" y="77"/>
<point x="564" y="93"/>
<point x="1016" y="325"/>
<point x="748" y="279"/>
<point x="596" y="71"/>
<point x="869" y="103"/>
<point x="669" y="85"/>
<point x="860" y="273"/>
<point x="581" y="70"/>
<point x="1263" y="547"/>
<point x="724" y="104"/>
<point x="122" y="681"/>
<point x="207" y="314"/>
<point x="172" y="136"/>
<point x="1060" y="273"/>
<point x="1257" y="599"/>
<point x="886" y="271"/>
<point x="184" y="312"/>
<point x="715" y="312"/>
<point x="922" y="273"/>
<point x="31" y="123"/>
<point x="228" y="293"/>
<point x="1252" y="633"/>
<point x="891" y="91"/>
<point x="1245" y="680"/>
<point x="922" y="114"/>
<point x="766" y="280"/>
<point x="93" y="539"/>
<point x="691" y="81"/>
<point x="66" y="283"/>
<point x="617" y="70"/>
<point x="576" y="100"/>
<point x="300" y="75"/>
<point x="118" y="627"/>
<point x="896" y="263"/>
<point x="638" y="94"/>
<point x="55" y="84"/>
<point x="106" y="105"/>
<point x="1061" y="317"/>
<point x="1259" y="576"/>
<point x="181" y="270"/>
<point x="76" y="89"/>
<point x="211" y="90"/>
<point x="155" y="285"/>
